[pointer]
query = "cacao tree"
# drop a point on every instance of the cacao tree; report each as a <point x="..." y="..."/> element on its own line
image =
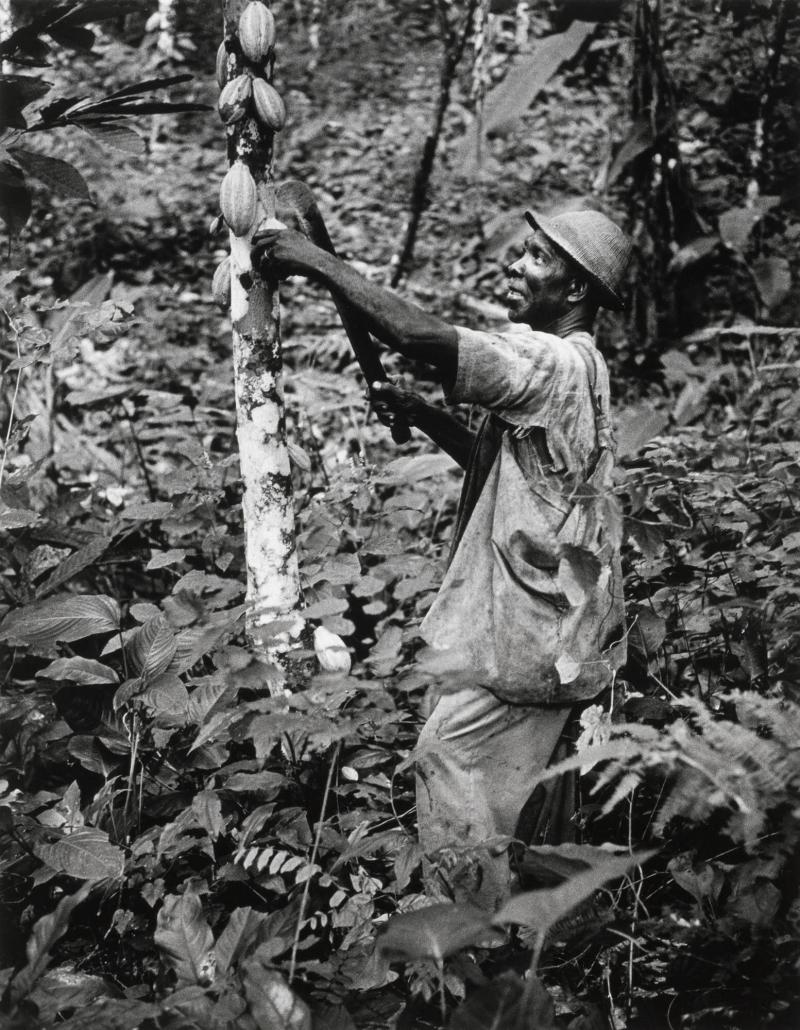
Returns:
<point x="253" y="112"/>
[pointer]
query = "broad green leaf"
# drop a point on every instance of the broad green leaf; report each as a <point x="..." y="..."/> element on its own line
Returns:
<point x="434" y="932"/>
<point x="540" y="909"/>
<point x="53" y="172"/>
<point x="85" y="671"/>
<point x="736" y="224"/>
<point x="207" y="808"/>
<point x="144" y="511"/>
<point x="77" y="562"/>
<point x="505" y="1004"/>
<point x="86" y="854"/>
<point x="185" y="939"/>
<point x="67" y="618"/>
<point x="162" y="559"/>
<point x="167" y="696"/>
<point x="634" y="427"/>
<point x="256" y="783"/>
<point x="15" y="199"/>
<point x="527" y="74"/>
<point x="272" y="1003"/>
<point x="46" y="933"/>
<point x="16" y="518"/>
<point x="203" y="698"/>
<point x="238" y="937"/>
<point x="151" y="648"/>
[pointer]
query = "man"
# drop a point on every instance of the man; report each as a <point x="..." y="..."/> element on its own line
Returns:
<point x="530" y="610"/>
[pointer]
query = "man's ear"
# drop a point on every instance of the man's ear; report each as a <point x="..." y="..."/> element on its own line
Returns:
<point x="578" y="289"/>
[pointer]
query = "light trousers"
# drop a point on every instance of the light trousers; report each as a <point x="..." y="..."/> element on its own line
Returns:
<point x="477" y="759"/>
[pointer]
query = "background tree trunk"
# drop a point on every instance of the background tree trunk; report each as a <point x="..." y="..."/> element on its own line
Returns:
<point x="273" y="583"/>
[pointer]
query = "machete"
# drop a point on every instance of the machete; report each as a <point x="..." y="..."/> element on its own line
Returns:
<point x="296" y="198"/>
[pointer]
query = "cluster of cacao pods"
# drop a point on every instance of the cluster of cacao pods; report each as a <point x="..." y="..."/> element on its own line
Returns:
<point x="256" y="39"/>
<point x="247" y="93"/>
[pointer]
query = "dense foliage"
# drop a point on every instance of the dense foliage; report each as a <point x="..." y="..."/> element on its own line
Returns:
<point x="181" y="848"/>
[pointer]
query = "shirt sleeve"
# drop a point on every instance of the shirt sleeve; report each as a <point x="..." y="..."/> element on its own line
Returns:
<point x="530" y="379"/>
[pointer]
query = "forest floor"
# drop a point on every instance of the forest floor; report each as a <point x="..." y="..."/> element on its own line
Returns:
<point x="275" y="837"/>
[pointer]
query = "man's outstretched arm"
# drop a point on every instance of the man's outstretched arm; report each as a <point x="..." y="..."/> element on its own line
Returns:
<point x="402" y="326"/>
<point x="446" y="432"/>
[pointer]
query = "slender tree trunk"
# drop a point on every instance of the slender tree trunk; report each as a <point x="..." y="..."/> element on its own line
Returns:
<point x="273" y="583"/>
<point x="766" y="102"/>
<point x="455" y="40"/>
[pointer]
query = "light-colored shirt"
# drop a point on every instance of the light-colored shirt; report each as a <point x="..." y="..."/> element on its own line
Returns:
<point x="532" y="596"/>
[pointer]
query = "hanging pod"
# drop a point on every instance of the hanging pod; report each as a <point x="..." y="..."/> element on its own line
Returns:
<point x="233" y="99"/>
<point x="270" y="109"/>
<point x="238" y="200"/>
<point x="256" y="31"/>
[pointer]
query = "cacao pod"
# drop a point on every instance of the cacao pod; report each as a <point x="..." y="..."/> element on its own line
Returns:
<point x="221" y="283"/>
<point x="234" y="98"/>
<point x="222" y="65"/>
<point x="331" y="652"/>
<point x="238" y="200"/>
<point x="270" y="109"/>
<point x="215" y="226"/>
<point x="256" y="31"/>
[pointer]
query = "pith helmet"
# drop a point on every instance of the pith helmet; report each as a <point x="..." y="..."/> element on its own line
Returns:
<point x="591" y="240"/>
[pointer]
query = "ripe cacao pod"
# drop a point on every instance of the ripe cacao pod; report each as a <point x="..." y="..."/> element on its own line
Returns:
<point x="331" y="651"/>
<point x="256" y="31"/>
<point x="221" y="283"/>
<point x="238" y="200"/>
<point x="270" y="109"/>
<point x="222" y="65"/>
<point x="234" y="98"/>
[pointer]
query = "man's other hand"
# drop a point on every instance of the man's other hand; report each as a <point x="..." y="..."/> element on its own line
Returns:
<point x="278" y="253"/>
<point x="389" y="399"/>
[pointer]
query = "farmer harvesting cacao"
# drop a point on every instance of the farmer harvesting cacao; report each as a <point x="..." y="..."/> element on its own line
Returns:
<point x="529" y="616"/>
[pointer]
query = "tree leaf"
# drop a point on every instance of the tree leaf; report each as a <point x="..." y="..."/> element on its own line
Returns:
<point x="636" y="426"/>
<point x="15" y="199"/>
<point x="152" y="647"/>
<point x="503" y="1004"/>
<point x="86" y="854"/>
<point x="540" y="909"/>
<point x="639" y="140"/>
<point x="736" y="224"/>
<point x="59" y="175"/>
<point x="271" y="1001"/>
<point x="67" y="618"/>
<point x="207" y="808"/>
<point x="528" y="73"/>
<point x="77" y="562"/>
<point x="79" y="670"/>
<point x="434" y="932"/>
<point x="238" y="937"/>
<point x="46" y="933"/>
<point x="120" y="137"/>
<point x="72" y="36"/>
<point x="185" y="939"/>
<point x="773" y="276"/>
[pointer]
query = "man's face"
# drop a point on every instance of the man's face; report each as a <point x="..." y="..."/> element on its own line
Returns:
<point x="538" y="284"/>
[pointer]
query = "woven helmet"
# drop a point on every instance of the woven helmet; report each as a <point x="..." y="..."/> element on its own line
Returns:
<point x="594" y="243"/>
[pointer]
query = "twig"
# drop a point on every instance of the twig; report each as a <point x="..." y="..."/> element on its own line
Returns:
<point x="454" y="44"/>
<point x="312" y="860"/>
<point x="13" y="399"/>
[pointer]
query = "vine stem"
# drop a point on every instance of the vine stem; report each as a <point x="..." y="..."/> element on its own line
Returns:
<point x="13" y="399"/>
<point x="314" y="852"/>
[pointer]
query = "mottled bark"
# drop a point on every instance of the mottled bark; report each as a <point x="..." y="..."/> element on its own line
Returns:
<point x="273" y="583"/>
<point x="6" y="28"/>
